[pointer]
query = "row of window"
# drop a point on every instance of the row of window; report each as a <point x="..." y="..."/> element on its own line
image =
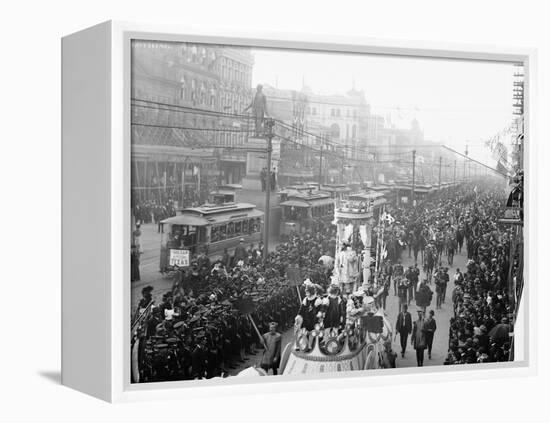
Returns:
<point x="299" y="213"/>
<point x="235" y="229"/>
<point x="333" y="112"/>
<point x="335" y="131"/>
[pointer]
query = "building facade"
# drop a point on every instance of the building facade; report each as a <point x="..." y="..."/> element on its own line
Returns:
<point x="184" y="97"/>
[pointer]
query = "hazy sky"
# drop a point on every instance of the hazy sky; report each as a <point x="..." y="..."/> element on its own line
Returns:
<point x="456" y="102"/>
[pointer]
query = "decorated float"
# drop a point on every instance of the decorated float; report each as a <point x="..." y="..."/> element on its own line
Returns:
<point x="363" y="340"/>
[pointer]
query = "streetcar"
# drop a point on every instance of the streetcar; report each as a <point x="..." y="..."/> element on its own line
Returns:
<point x="337" y="191"/>
<point x="376" y="199"/>
<point x="302" y="210"/>
<point x="224" y="194"/>
<point x="389" y="190"/>
<point x="210" y="228"/>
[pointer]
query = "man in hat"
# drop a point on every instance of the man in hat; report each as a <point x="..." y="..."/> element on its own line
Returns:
<point x="431" y="327"/>
<point x="402" y="289"/>
<point x="145" y="301"/>
<point x="418" y="339"/>
<point x="272" y="353"/>
<point x="240" y="252"/>
<point x="198" y="357"/>
<point x="403" y="327"/>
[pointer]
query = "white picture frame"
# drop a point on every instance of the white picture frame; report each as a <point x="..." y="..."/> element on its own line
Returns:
<point x="96" y="160"/>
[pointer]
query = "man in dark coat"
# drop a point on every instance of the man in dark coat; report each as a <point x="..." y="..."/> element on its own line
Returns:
<point x="240" y="253"/>
<point x="418" y="339"/>
<point x="199" y="358"/>
<point x="403" y="327"/>
<point x="431" y="327"/>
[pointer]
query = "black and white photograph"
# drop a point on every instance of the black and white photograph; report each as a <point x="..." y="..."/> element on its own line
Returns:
<point x="306" y="212"/>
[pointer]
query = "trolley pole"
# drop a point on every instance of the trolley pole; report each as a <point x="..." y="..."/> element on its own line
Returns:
<point x="269" y="123"/>
<point x="413" y="175"/>
<point x="439" y="173"/>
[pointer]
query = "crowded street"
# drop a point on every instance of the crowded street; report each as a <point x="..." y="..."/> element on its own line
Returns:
<point x="445" y="350"/>
<point x="290" y="231"/>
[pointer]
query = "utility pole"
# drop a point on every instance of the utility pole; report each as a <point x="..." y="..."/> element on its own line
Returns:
<point x="269" y="123"/>
<point x="374" y="168"/>
<point x="464" y="173"/>
<point x="454" y="175"/>
<point x="440" y="173"/>
<point x="321" y="164"/>
<point x="413" y="175"/>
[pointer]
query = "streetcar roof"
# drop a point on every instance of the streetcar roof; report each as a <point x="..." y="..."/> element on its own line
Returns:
<point x="296" y="203"/>
<point x="186" y="220"/>
<point x="222" y="192"/>
<point x="224" y="218"/>
<point x="192" y="217"/>
<point x="335" y="187"/>
<point x="209" y="209"/>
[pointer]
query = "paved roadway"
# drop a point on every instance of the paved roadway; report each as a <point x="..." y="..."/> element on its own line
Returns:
<point x="149" y="269"/>
<point x="442" y="317"/>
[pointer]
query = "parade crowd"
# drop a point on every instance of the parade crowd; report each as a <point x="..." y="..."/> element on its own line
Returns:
<point x="480" y="328"/>
<point x="219" y="312"/>
<point x="201" y="329"/>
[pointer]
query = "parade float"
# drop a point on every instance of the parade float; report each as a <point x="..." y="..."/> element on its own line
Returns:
<point x="363" y="342"/>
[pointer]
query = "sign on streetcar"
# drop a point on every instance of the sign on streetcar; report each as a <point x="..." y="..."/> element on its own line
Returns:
<point x="179" y="258"/>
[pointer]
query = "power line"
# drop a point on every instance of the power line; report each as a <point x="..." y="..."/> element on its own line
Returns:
<point x="475" y="161"/>
<point x="396" y="108"/>
<point x="333" y="144"/>
<point x="195" y="109"/>
<point x="189" y="111"/>
<point x="190" y="128"/>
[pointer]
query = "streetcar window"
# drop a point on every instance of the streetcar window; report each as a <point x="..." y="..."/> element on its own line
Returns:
<point x="215" y="234"/>
<point x="238" y="228"/>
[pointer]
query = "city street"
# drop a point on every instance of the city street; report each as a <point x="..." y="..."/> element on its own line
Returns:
<point x="224" y="157"/>
<point x="149" y="265"/>
<point x="441" y="338"/>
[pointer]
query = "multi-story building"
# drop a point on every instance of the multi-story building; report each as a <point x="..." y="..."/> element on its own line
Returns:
<point x="235" y="76"/>
<point x="346" y="116"/>
<point x="183" y="98"/>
